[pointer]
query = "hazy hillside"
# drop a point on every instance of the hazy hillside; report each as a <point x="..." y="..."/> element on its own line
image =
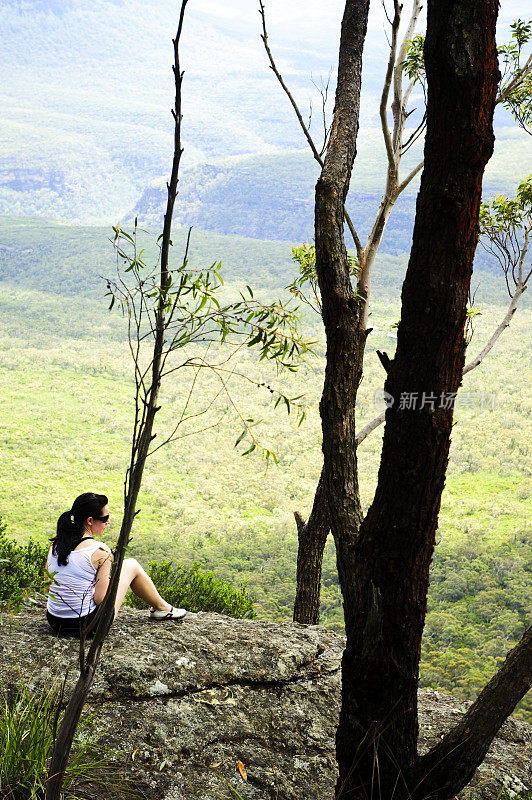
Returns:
<point x="86" y="125"/>
<point x="86" y="119"/>
<point x="272" y="196"/>
<point x="59" y="260"/>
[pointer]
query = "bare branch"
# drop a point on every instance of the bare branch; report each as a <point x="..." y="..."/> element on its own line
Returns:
<point x="189" y="433"/>
<point x="304" y="128"/>
<point x="370" y="427"/>
<point x="405" y="147"/>
<point x="186" y="418"/>
<point x="309" y="123"/>
<point x="497" y="333"/>
<point x="524" y="250"/>
<point x="411" y="175"/>
<point x="324" y="91"/>
<point x="377" y="421"/>
<point x="440" y="773"/>
<point x="383" y="4"/>
<point x="383" y="106"/>
<point x="408" y="92"/>
<point x="352" y="231"/>
<point x="518" y="78"/>
<point x="286" y="90"/>
<point x="197" y="362"/>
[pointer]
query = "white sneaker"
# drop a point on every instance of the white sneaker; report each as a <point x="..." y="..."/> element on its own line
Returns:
<point x="174" y="613"/>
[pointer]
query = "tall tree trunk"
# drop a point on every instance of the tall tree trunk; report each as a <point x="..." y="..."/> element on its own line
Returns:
<point x="312" y="536"/>
<point x="142" y="438"/>
<point x="340" y="309"/>
<point x="341" y="314"/>
<point x="385" y="577"/>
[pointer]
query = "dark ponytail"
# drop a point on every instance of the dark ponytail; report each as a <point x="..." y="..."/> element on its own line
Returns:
<point x="70" y="529"/>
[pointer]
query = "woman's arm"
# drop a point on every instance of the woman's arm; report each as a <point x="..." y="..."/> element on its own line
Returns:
<point x="101" y="560"/>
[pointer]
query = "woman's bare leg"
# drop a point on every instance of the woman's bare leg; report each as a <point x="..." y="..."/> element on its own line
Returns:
<point x="135" y="577"/>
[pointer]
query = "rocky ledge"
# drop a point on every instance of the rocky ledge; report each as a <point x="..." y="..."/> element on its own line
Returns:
<point x="189" y="710"/>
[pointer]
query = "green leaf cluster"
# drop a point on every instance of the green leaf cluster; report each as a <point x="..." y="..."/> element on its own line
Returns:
<point x="517" y="95"/>
<point x="510" y="795"/>
<point x="505" y="224"/>
<point x="502" y="214"/>
<point x="171" y="310"/>
<point x="515" y="86"/>
<point x="305" y="284"/>
<point x="22" y="570"/>
<point x="414" y="63"/>
<point x="197" y="590"/>
<point x="190" y="300"/>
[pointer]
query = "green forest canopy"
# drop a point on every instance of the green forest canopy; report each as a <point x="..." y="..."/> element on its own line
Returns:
<point x="69" y="416"/>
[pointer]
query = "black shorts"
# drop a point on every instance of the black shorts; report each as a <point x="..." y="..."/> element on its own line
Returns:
<point x="71" y="626"/>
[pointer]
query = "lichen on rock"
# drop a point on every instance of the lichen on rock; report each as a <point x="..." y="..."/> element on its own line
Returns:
<point x="181" y="704"/>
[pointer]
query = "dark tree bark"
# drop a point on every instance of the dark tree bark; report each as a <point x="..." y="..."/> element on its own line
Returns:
<point x="312" y="536"/>
<point x="384" y="573"/>
<point x="443" y="771"/>
<point x="341" y="314"/>
<point x="341" y="311"/>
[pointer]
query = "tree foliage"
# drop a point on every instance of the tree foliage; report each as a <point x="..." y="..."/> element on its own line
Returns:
<point x="305" y="284"/>
<point x="22" y="570"/>
<point x="198" y="322"/>
<point x="505" y="225"/>
<point x="517" y="95"/>
<point x="198" y="590"/>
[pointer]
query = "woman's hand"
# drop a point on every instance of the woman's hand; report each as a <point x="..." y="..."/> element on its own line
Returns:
<point x="101" y="561"/>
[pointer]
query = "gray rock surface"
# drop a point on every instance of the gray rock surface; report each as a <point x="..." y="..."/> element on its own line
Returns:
<point x="182" y="704"/>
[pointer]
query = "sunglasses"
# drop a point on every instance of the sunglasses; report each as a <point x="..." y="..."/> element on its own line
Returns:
<point x="103" y="519"/>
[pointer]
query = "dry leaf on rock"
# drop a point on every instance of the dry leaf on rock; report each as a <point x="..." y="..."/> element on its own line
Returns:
<point x="242" y="770"/>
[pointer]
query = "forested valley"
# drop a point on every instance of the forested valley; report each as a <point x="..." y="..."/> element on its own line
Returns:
<point x="217" y="363"/>
<point x="67" y="382"/>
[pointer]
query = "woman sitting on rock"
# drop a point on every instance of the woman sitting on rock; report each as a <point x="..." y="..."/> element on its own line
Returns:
<point x="81" y="567"/>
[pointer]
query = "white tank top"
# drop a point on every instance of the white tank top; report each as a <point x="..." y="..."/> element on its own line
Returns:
<point x="72" y="592"/>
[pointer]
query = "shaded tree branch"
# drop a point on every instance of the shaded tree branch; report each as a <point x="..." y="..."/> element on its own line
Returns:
<point x="312" y="536"/>
<point x="370" y="427"/>
<point x="445" y="769"/>
<point x="497" y="333"/>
